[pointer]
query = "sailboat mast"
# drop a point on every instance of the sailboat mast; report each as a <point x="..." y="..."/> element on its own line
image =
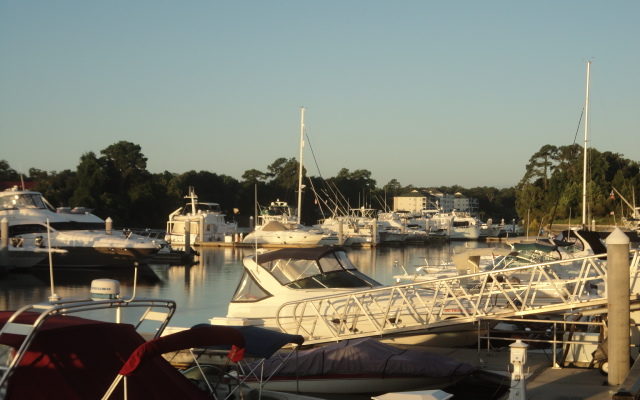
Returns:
<point x="586" y="141"/>
<point x="300" y="164"/>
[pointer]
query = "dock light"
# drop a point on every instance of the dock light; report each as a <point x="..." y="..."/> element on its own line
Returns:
<point x="518" y="359"/>
<point x="105" y="289"/>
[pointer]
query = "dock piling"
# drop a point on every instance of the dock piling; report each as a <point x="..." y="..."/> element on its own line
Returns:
<point x="618" y="298"/>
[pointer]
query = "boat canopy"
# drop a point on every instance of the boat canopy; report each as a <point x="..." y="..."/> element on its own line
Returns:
<point x="258" y="342"/>
<point x="75" y="358"/>
<point x="315" y="267"/>
<point x="305" y="268"/>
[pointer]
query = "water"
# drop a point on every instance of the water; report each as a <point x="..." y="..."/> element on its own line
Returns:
<point x="203" y="291"/>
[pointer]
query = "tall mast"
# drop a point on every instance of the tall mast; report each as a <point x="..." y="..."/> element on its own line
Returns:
<point x="586" y="141"/>
<point x="300" y="163"/>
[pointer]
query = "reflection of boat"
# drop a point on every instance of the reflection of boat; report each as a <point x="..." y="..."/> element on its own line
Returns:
<point x="81" y="234"/>
<point x="362" y="366"/>
<point x="206" y="223"/>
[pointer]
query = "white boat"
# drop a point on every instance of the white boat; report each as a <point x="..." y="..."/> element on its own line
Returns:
<point x="276" y="233"/>
<point x="276" y="226"/>
<point x="82" y="235"/>
<point x="464" y="227"/>
<point x="206" y="221"/>
<point x="273" y="279"/>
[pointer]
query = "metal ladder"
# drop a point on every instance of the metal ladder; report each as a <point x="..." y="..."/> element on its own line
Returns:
<point x="409" y="308"/>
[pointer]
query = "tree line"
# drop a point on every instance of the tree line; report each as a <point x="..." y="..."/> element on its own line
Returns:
<point x="552" y="186"/>
<point x="116" y="183"/>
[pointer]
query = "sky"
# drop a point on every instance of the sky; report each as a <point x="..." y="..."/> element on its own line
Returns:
<point x="430" y="93"/>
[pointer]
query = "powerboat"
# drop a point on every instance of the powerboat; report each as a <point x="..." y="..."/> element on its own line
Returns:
<point x="362" y="366"/>
<point x="86" y="239"/>
<point x="277" y="226"/>
<point x="206" y="223"/>
<point x="273" y="282"/>
<point x="278" y="234"/>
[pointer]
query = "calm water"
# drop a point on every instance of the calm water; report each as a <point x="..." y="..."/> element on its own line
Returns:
<point x="203" y="290"/>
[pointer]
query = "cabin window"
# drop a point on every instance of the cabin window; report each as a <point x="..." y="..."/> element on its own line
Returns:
<point x="330" y="263"/>
<point x="249" y="290"/>
<point x="286" y="271"/>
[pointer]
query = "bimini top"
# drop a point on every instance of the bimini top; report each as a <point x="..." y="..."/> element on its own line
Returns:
<point x="74" y="358"/>
<point x="322" y="267"/>
<point x="307" y="253"/>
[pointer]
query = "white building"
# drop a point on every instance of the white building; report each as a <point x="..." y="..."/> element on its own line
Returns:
<point x="416" y="202"/>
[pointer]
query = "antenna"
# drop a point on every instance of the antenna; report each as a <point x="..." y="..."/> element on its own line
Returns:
<point x="53" y="297"/>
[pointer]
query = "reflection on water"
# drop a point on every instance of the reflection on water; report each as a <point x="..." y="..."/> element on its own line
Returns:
<point x="203" y="290"/>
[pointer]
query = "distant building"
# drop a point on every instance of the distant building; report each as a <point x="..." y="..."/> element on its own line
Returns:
<point x="417" y="201"/>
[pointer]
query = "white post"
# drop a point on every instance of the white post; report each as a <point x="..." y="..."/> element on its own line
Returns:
<point x="518" y="358"/>
<point x="4" y="245"/>
<point x="187" y="237"/>
<point x="618" y="277"/>
<point x="108" y="225"/>
<point x="4" y="233"/>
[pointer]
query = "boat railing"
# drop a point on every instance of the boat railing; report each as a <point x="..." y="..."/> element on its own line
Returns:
<point x="567" y="328"/>
<point x="27" y="320"/>
<point x="554" y="286"/>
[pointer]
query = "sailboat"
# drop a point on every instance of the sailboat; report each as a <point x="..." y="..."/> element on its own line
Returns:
<point x="283" y="231"/>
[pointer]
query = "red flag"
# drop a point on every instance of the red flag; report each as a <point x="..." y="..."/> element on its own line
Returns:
<point x="236" y="353"/>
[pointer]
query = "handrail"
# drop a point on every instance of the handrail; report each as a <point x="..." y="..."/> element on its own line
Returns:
<point x="406" y="308"/>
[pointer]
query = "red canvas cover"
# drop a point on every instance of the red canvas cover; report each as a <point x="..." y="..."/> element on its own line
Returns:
<point x="75" y="358"/>
<point x="194" y="337"/>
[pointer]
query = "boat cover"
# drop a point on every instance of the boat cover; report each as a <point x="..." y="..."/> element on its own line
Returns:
<point x="535" y="246"/>
<point x="75" y="358"/>
<point x="365" y="357"/>
<point x="305" y="253"/>
<point x="260" y="342"/>
<point x="195" y="337"/>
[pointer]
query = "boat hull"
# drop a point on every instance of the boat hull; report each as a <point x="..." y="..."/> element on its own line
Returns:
<point x="98" y="257"/>
<point x="348" y="384"/>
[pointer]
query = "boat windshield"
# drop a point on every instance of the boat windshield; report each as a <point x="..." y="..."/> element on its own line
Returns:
<point x="18" y="201"/>
<point x="249" y="290"/>
<point x="333" y="270"/>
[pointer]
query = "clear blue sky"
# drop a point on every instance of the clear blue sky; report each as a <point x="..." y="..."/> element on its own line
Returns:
<point x="428" y="92"/>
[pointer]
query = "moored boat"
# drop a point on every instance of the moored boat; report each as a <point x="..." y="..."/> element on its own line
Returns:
<point x="85" y="239"/>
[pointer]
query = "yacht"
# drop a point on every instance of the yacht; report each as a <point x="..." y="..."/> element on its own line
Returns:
<point x="464" y="227"/>
<point x="206" y="223"/>
<point x="273" y="281"/>
<point x="279" y="226"/>
<point x="76" y="237"/>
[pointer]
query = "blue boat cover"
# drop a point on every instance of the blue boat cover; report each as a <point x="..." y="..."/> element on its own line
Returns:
<point x="260" y="342"/>
<point x="366" y="357"/>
